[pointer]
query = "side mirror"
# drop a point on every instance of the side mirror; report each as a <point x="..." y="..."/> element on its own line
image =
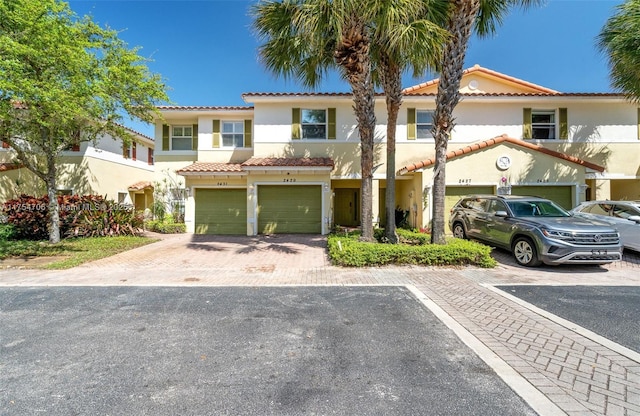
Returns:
<point x="635" y="218"/>
<point x="502" y="214"/>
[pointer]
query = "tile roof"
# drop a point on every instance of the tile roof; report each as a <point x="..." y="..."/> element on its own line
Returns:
<point x="202" y="107"/>
<point x="139" y="186"/>
<point x="497" y="140"/>
<point x="529" y="94"/>
<point x="210" y="167"/>
<point x="9" y="166"/>
<point x="298" y="94"/>
<point x="137" y="133"/>
<point x="286" y="162"/>
<point x="478" y="68"/>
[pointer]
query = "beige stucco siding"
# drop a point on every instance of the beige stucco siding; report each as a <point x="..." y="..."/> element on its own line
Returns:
<point x="82" y="175"/>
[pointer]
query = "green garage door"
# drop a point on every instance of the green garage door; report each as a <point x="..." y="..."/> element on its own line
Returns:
<point x="221" y="211"/>
<point x="561" y="195"/>
<point x="453" y="194"/>
<point x="290" y="209"/>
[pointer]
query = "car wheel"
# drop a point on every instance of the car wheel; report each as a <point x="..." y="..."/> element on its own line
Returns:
<point x="525" y="253"/>
<point x="458" y="231"/>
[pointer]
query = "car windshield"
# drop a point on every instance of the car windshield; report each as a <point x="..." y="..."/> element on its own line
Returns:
<point x="536" y="209"/>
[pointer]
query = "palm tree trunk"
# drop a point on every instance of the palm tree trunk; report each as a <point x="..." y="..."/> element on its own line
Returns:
<point x="460" y="25"/>
<point x="352" y="55"/>
<point x="392" y="84"/>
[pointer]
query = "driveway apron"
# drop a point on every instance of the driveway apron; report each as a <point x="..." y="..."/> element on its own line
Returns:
<point x="556" y="366"/>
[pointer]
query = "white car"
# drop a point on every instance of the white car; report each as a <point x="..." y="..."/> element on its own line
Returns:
<point x="623" y="215"/>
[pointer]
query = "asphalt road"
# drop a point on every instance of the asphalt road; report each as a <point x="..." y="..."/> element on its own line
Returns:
<point x="610" y="311"/>
<point x="237" y="351"/>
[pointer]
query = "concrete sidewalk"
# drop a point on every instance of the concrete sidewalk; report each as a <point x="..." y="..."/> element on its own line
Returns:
<point x="557" y="367"/>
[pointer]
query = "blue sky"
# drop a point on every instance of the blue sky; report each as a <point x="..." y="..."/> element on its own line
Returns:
<point x="207" y="53"/>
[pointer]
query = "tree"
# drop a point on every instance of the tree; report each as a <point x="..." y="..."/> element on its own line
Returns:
<point x="405" y="36"/>
<point x="619" y="40"/>
<point x="65" y="80"/>
<point x="304" y="39"/>
<point x="465" y="15"/>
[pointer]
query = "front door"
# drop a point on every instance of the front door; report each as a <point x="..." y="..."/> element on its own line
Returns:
<point x="346" y="212"/>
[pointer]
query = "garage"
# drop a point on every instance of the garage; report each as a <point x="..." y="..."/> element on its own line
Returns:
<point x="221" y="211"/>
<point x="559" y="194"/>
<point x="290" y="209"/>
<point x="454" y="193"/>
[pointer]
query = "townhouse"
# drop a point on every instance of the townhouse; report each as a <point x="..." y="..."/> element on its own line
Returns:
<point x="121" y="173"/>
<point x="289" y="162"/>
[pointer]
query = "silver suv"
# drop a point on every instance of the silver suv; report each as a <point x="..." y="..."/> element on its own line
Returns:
<point x="535" y="230"/>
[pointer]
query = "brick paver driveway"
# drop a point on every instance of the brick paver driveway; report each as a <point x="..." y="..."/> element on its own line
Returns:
<point x="557" y="366"/>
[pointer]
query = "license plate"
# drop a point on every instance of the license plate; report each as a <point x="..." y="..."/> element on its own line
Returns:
<point x="599" y="252"/>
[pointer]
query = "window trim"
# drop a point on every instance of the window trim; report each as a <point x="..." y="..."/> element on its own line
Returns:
<point x="535" y="125"/>
<point x="172" y="136"/>
<point x="241" y="123"/>
<point x="325" y="124"/>
<point x="418" y="124"/>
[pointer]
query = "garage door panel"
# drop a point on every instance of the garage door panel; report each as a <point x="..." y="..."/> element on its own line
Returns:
<point x="293" y="209"/>
<point x="221" y="211"/>
<point x="559" y="194"/>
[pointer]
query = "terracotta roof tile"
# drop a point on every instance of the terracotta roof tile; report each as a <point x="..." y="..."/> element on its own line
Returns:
<point x="297" y="94"/>
<point x="9" y="166"/>
<point x="478" y="68"/>
<point x="497" y="140"/>
<point x="201" y="107"/>
<point x="530" y="94"/>
<point x="210" y="167"/>
<point x="293" y="162"/>
<point x="139" y="186"/>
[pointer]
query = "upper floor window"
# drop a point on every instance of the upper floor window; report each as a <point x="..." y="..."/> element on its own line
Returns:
<point x="424" y="124"/>
<point x="233" y="134"/>
<point x="543" y="124"/>
<point x="314" y="124"/>
<point x="181" y="137"/>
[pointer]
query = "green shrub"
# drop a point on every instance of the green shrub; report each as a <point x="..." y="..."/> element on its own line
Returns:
<point x="7" y="232"/>
<point x="107" y="220"/>
<point x="29" y="217"/>
<point x="166" y="227"/>
<point x="80" y="216"/>
<point x="347" y="250"/>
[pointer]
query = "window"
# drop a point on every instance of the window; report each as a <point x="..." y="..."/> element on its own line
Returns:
<point x="61" y="192"/>
<point x="621" y="211"/>
<point x="181" y="137"/>
<point x="314" y="124"/>
<point x="543" y="124"/>
<point x="150" y="156"/>
<point x="598" y="209"/>
<point x="495" y="206"/>
<point x="476" y="204"/>
<point x="424" y="124"/>
<point x="232" y="134"/>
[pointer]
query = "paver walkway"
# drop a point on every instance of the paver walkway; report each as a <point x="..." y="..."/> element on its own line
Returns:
<point x="557" y="367"/>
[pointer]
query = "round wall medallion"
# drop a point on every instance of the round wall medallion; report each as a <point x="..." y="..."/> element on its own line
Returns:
<point x="473" y="84"/>
<point x="503" y="162"/>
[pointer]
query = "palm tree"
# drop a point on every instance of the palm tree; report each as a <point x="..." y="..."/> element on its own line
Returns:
<point x="620" y="42"/>
<point x="304" y="39"/>
<point x="485" y="16"/>
<point x="405" y="35"/>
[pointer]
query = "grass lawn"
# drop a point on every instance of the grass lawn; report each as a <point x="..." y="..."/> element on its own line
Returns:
<point x="71" y="252"/>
